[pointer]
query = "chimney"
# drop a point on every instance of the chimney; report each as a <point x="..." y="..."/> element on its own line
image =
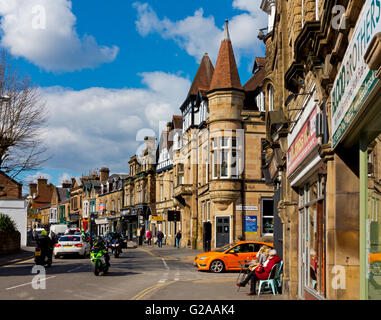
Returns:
<point x="104" y="174"/>
<point x="32" y="188"/>
<point x="66" y="184"/>
<point x="41" y="183"/>
<point x="151" y="148"/>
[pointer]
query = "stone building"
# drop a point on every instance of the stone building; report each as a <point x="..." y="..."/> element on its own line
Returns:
<point x="60" y="204"/>
<point x="219" y="183"/>
<point x="321" y="91"/>
<point x="110" y="199"/>
<point x="140" y="191"/>
<point x="166" y="207"/>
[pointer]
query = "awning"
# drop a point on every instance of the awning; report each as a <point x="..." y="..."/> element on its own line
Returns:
<point x="101" y="221"/>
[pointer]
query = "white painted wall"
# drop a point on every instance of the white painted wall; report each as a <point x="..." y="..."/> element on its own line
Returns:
<point x="17" y="210"/>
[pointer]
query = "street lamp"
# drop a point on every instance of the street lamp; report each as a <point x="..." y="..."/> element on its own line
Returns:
<point x="261" y="34"/>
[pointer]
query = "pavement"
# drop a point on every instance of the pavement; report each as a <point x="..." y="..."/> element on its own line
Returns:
<point x="25" y="253"/>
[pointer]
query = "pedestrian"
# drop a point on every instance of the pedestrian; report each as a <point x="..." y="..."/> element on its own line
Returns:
<point x="149" y="237"/>
<point x="178" y="238"/>
<point x="160" y="236"/>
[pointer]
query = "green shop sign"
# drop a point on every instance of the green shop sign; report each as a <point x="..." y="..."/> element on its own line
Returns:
<point x="355" y="80"/>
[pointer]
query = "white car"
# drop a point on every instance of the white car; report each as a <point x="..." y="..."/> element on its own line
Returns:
<point x="71" y="244"/>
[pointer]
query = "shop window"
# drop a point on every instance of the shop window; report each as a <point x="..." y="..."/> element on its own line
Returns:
<point x="311" y="237"/>
<point x="267" y="216"/>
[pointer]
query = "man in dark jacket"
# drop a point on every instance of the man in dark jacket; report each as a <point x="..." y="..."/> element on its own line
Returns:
<point x="178" y="238"/>
<point x="160" y="237"/>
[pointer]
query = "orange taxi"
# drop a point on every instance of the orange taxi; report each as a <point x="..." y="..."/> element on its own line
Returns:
<point x="228" y="257"/>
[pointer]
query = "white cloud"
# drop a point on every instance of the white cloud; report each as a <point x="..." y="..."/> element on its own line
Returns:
<point x="63" y="178"/>
<point x="43" y="32"/>
<point x="251" y="6"/>
<point x="99" y="127"/>
<point x="198" y="34"/>
<point x="33" y="177"/>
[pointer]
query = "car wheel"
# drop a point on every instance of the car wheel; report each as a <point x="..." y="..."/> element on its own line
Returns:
<point x="217" y="266"/>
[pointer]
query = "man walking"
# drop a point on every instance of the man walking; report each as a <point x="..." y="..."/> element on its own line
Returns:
<point x="178" y="238"/>
<point x="160" y="236"/>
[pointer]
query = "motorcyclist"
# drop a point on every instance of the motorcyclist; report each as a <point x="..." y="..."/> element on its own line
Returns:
<point x="117" y="236"/>
<point x="46" y="244"/>
<point x="99" y="244"/>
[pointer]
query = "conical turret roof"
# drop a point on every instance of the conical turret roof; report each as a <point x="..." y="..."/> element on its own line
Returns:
<point x="203" y="76"/>
<point x="225" y="74"/>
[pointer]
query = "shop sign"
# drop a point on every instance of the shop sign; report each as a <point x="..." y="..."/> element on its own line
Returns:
<point x="303" y="144"/>
<point x="247" y="208"/>
<point x="156" y="218"/>
<point x="251" y="225"/>
<point x="101" y="207"/>
<point x="34" y="216"/>
<point x="355" y="81"/>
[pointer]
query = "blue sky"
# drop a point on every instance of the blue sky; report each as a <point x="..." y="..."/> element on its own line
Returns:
<point x="112" y="70"/>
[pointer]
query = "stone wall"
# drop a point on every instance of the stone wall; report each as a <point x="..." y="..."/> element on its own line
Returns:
<point x="9" y="242"/>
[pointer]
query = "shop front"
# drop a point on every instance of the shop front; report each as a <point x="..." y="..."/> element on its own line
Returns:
<point x="356" y="126"/>
<point x="102" y="226"/>
<point x="75" y="220"/>
<point x="306" y="173"/>
<point x="129" y="224"/>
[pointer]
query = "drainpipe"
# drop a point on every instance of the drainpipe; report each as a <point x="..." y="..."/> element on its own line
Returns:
<point x="363" y="217"/>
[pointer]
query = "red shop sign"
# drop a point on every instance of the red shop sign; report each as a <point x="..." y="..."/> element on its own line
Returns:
<point x="303" y="144"/>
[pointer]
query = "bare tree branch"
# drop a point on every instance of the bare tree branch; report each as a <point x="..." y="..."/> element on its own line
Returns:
<point x="23" y="115"/>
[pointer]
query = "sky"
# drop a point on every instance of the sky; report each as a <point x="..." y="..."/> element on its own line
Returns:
<point x="111" y="72"/>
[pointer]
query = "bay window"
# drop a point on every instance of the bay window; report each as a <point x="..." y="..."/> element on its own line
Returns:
<point x="225" y="158"/>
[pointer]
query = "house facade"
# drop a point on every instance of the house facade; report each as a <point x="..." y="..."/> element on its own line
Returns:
<point x="322" y="145"/>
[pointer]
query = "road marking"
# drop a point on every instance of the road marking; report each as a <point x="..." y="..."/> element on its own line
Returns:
<point x="25" y="284"/>
<point x="75" y="268"/>
<point x="177" y="275"/>
<point x="141" y="294"/>
<point x="165" y="264"/>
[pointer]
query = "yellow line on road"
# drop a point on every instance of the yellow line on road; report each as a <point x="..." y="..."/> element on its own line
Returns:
<point x="141" y="294"/>
<point x="148" y="290"/>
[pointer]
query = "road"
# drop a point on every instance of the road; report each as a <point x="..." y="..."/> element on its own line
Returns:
<point x="135" y="275"/>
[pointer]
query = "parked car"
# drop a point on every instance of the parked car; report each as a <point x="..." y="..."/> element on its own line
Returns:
<point x="71" y="244"/>
<point x="228" y="257"/>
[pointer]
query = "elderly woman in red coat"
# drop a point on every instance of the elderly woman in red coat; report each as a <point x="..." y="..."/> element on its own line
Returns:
<point x="261" y="272"/>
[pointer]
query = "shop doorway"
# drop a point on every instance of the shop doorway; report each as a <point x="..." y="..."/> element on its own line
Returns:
<point x="222" y="231"/>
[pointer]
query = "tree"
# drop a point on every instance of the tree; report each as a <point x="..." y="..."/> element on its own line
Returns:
<point x="23" y="116"/>
<point x="7" y="224"/>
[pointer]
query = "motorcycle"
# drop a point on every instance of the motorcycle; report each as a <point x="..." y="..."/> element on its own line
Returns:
<point x="41" y="258"/>
<point x="99" y="261"/>
<point x="115" y="248"/>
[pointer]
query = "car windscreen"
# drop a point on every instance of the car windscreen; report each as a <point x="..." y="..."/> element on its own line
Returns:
<point x="225" y="247"/>
<point x="68" y="238"/>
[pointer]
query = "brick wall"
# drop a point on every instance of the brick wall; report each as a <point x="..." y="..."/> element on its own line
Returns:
<point x="9" y="242"/>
